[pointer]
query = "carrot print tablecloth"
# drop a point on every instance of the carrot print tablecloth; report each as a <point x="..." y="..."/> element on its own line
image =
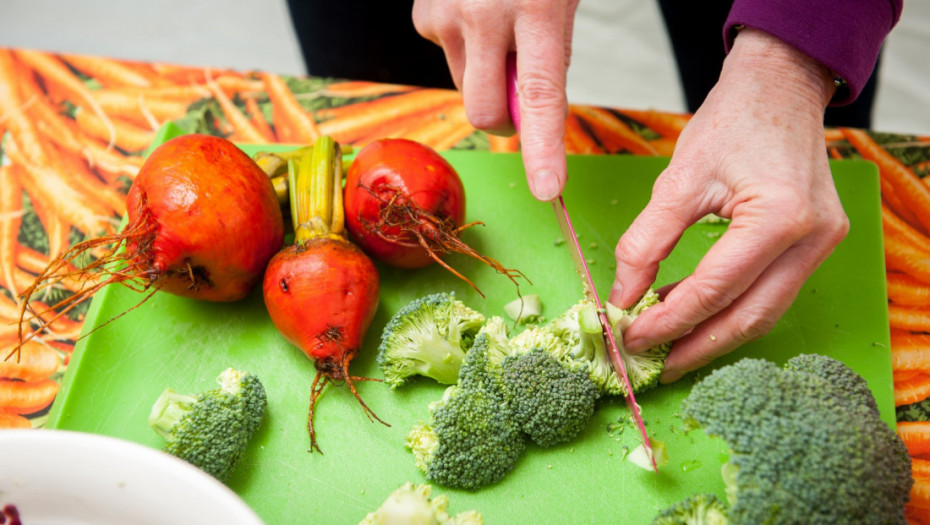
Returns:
<point x="74" y="129"/>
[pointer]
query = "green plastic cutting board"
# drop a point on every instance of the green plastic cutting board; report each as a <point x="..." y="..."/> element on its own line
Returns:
<point x="119" y="370"/>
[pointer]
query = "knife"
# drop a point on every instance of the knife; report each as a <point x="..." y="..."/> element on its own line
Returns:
<point x="581" y="266"/>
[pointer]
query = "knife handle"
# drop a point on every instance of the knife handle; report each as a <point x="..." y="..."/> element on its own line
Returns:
<point x="513" y="100"/>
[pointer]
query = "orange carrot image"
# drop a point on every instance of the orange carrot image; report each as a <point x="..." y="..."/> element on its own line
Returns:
<point x="36" y="361"/>
<point x="612" y="132"/>
<point x="913" y="193"/>
<point x="668" y="125"/>
<point x="916" y="436"/>
<point x="298" y="125"/>
<point x="26" y="397"/>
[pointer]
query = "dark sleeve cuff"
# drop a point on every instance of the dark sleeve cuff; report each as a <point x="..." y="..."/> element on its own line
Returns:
<point x="843" y="35"/>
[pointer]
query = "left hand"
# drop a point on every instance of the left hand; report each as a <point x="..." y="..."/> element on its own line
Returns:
<point x="754" y="152"/>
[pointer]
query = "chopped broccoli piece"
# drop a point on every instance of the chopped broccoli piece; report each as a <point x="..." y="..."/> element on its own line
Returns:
<point x="412" y="505"/>
<point x="428" y="337"/>
<point x="643" y="459"/>
<point x="498" y="342"/>
<point x="211" y="430"/>
<point x="644" y="368"/>
<point x="806" y="445"/>
<point x="575" y="338"/>
<point x="471" y="439"/>
<point x="551" y="403"/>
<point x="526" y="309"/>
<point x="698" y="509"/>
<point x="919" y="411"/>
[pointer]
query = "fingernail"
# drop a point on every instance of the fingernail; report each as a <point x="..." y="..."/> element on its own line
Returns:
<point x="546" y="185"/>
<point x="669" y="376"/>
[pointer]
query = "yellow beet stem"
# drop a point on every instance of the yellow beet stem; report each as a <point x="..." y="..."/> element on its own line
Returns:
<point x="316" y="191"/>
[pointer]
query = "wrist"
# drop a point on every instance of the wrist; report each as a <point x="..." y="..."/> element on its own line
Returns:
<point x="759" y="57"/>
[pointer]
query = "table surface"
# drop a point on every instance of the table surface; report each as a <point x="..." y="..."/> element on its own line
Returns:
<point x="74" y="129"/>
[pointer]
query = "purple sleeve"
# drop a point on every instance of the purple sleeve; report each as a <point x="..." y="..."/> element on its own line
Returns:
<point x="843" y="35"/>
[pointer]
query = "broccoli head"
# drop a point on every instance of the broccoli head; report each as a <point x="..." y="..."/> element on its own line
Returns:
<point x="428" y="337"/>
<point x="698" y="509"/>
<point x="576" y="340"/>
<point x="211" y="430"/>
<point x="806" y="446"/>
<point x="472" y="439"/>
<point x="837" y="373"/>
<point x="413" y="505"/>
<point x="551" y="403"/>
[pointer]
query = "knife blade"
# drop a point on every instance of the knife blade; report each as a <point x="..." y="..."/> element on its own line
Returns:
<point x="581" y="267"/>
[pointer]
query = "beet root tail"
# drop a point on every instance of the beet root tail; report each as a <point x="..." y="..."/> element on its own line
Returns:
<point x="327" y="371"/>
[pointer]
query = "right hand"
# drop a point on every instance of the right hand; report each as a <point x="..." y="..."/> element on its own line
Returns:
<point x="476" y="36"/>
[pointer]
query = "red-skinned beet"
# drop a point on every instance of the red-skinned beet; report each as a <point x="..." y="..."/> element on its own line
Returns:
<point x="411" y="179"/>
<point x="405" y="206"/>
<point x="322" y="292"/>
<point x="218" y="216"/>
<point x="203" y="221"/>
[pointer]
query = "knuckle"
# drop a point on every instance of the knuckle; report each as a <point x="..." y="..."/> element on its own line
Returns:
<point x="751" y="324"/>
<point x="541" y="92"/>
<point x="481" y="117"/>
<point x="475" y="13"/>
<point x="836" y="226"/>
<point x="631" y="250"/>
<point x="709" y="297"/>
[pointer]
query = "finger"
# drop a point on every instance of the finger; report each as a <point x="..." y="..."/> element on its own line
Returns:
<point x="440" y="25"/>
<point x="674" y="206"/>
<point x="484" y="80"/>
<point x="751" y="316"/>
<point x="543" y="104"/>
<point x="728" y="269"/>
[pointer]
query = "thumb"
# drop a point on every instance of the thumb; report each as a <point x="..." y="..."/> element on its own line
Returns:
<point x="652" y="236"/>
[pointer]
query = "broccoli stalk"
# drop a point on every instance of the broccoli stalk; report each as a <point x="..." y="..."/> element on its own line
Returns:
<point x="807" y="443"/>
<point x="644" y="368"/>
<point x="428" y="337"/>
<point x="211" y="430"/>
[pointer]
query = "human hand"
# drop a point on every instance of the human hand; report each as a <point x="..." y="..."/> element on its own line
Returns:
<point x="476" y="36"/>
<point x="754" y="152"/>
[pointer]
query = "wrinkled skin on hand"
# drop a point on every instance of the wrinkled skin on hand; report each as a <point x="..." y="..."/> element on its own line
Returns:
<point x="754" y="152"/>
<point x="476" y="36"/>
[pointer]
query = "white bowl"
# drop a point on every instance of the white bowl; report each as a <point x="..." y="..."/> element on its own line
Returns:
<point x="59" y="477"/>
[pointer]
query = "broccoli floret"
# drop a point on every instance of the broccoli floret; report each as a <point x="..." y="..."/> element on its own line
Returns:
<point x="805" y="447"/>
<point x="428" y="337"/>
<point x="412" y="505"/>
<point x="472" y="439"/>
<point x="837" y="373"/>
<point x="576" y="340"/>
<point x="551" y="403"/>
<point x="698" y="509"/>
<point x="211" y="430"/>
<point x="644" y="368"/>
<point x="498" y="342"/>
